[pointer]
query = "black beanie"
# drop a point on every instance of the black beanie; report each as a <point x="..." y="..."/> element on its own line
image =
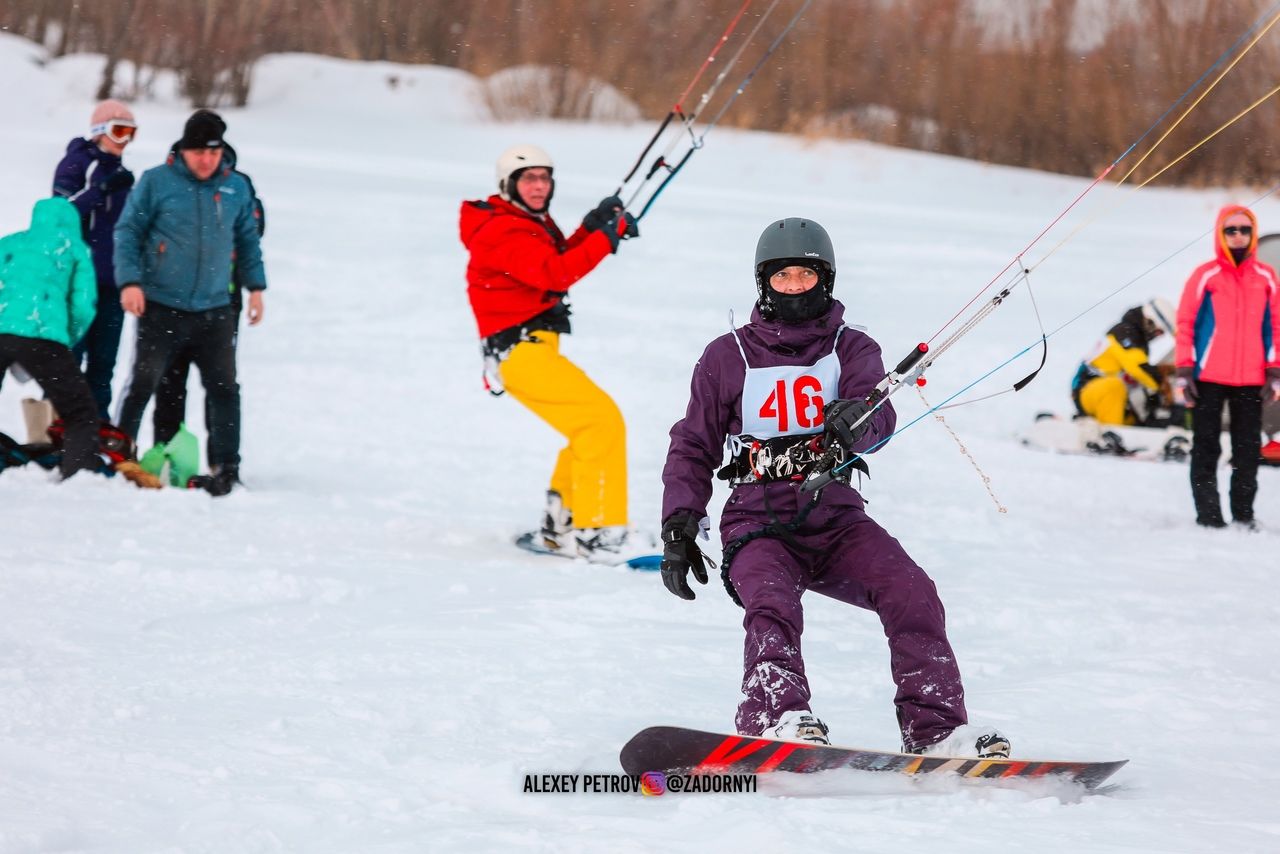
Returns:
<point x="203" y="130"/>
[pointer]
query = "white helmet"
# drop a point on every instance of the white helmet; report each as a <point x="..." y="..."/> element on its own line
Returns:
<point x="516" y="159"/>
<point x="1159" y="314"/>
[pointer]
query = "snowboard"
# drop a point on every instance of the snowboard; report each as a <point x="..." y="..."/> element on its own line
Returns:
<point x="14" y="454"/>
<point x="1086" y="436"/>
<point x="531" y="541"/>
<point x="675" y="750"/>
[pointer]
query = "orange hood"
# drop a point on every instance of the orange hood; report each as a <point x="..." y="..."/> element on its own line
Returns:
<point x="1220" y="241"/>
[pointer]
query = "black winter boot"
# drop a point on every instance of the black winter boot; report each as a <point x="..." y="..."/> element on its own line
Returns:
<point x="223" y="479"/>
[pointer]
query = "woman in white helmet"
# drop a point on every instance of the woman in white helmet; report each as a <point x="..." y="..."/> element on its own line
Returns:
<point x="518" y="277"/>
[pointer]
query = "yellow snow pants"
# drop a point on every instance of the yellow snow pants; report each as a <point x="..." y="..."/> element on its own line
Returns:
<point x="591" y="471"/>
<point x="1106" y="399"/>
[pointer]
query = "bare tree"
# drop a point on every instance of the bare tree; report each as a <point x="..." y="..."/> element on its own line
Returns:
<point x="931" y="74"/>
<point x="114" y="38"/>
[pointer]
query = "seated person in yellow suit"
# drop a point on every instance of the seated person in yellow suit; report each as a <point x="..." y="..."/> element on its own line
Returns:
<point x="1121" y="361"/>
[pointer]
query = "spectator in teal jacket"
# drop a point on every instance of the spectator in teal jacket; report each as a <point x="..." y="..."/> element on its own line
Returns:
<point x="185" y="224"/>
<point x="48" y="295"/>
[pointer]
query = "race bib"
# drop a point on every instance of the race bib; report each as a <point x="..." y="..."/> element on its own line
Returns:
<point x="788" y="400"/>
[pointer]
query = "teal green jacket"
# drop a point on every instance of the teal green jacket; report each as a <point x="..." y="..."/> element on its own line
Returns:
<point x="47" y="285"/>
<point x="178" y="236"/>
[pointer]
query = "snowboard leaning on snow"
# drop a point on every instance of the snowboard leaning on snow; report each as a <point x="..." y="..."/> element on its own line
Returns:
<point x="531" y="541"/>
<point x="675" y="750"/>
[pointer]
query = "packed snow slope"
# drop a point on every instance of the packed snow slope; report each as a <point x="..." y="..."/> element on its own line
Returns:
<point x="349" y="656"/>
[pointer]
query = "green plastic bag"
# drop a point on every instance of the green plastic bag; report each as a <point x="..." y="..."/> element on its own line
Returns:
<point x="153" y="461"/>
<point x="183" y="454"/>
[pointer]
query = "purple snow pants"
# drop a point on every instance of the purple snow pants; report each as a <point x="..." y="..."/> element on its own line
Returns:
<point x="857" y="562"/>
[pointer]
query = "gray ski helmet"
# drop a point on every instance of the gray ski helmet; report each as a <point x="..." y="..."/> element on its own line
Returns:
<point x="793" y="238"/>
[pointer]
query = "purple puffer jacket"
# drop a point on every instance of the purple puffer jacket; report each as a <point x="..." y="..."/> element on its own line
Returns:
<point x="697" y="440"/>
<point x="79" y="178"/>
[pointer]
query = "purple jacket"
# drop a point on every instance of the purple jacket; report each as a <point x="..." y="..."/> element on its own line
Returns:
<point x="715" y="401"/>
<point x="79" y="178"/>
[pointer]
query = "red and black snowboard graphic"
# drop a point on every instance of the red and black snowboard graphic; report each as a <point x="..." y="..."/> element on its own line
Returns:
<point x="677" y="750"/>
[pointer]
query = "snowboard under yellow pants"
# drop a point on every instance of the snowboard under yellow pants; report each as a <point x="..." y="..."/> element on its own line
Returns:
<point x="591" y="471"/>
<point x="1106" y="399"/>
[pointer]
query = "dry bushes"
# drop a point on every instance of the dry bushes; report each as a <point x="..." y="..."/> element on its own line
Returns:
<point x="1064" y="85"/>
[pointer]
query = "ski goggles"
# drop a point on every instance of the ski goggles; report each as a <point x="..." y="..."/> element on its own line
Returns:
<point x="1233" y="230"/>
<point x="118" y="131"/>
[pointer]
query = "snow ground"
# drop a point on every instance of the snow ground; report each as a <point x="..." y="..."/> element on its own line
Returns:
<point x="348" y="657"/>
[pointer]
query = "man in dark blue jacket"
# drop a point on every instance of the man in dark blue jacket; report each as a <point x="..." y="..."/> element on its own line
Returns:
<point x="186" y="223"/>
<point x="93" y="178"/>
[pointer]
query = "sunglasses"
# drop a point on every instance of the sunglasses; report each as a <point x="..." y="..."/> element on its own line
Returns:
<point x="1233" y="230"/>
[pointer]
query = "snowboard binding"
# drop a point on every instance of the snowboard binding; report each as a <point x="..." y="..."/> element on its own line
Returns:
<point x="1110" y="444"/>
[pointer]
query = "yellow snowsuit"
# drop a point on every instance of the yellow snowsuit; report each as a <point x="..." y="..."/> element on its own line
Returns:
<point x="1106" y="397"/>
<point x="591" y="471"/>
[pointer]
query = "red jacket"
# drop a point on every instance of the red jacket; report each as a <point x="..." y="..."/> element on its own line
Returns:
<point x="1229" y="315"/>
<point x="521" y="264"/>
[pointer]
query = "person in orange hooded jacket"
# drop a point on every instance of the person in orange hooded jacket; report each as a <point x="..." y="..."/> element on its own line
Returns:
<point x="1225" y="354"/>
<point x="519" y="275"/>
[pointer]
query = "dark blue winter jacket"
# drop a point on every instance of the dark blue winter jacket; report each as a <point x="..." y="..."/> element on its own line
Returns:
<point x="229" y="160"/>
<point x="97" y="183"/>
<point x="178" y="237"/>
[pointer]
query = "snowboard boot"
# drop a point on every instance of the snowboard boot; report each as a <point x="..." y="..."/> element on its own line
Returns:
<point x="557" y="523"/>
<point x="969" y="741"/>
<point x="799" y="725"/>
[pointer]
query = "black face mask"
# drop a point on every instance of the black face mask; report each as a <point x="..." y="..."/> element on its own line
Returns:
<point x="1240" y="254"/>
<point x="798" y="308"/>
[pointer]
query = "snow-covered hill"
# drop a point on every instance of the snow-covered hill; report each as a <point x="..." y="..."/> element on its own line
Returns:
<point x="348" y="656"/>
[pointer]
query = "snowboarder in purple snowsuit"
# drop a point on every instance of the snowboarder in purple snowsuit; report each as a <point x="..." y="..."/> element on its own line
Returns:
<point x="774" y="393"/>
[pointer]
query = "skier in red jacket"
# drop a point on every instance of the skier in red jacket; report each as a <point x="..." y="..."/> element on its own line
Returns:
<point x="519" y="275"/>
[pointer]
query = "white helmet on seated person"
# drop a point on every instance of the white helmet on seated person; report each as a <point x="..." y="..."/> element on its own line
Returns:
<point x="1159" y="315"/>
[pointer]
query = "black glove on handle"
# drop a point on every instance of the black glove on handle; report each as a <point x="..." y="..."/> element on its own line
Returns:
<point x="839" y="417"/>
<point x="616" y="223"/>
<point x="680" y="553"/>
<point x="603" y="215"/>
<point x="629" y="227"/>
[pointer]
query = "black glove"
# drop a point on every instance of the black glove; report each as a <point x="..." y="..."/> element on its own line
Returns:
<point x="1186" y="383"/>
<point x="680" y="553"/>
<point x="121" y="179"/>
<point x="629" y="227"/>
<point x="605" y="214"/>
<point x="839" y="417"/>
<point x="610" y="218"/>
